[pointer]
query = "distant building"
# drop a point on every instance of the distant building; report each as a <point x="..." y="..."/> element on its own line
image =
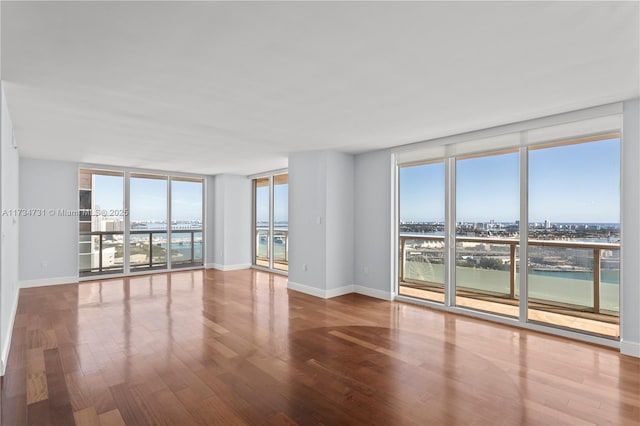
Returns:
<point x="112" y="225"/>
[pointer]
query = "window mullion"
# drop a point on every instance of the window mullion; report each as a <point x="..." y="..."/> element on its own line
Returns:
<point x="524" y="229"/>
<point x="271" y="227"/>
<point x="450" y="232"/>
<point x="169" y="249"/>
<point x="126" y="250"/>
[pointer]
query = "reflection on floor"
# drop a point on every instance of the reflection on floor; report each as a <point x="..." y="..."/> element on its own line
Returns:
<point x="604" y="325"/>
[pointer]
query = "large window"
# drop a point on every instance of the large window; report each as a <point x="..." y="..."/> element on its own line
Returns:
<point x="101" y="222"/>
<point x="186" y="222"/>
<point x="421" y="195"/>
<point x="148" y="224"/>
<point x="122" y="235"/>
<point x="487" y="213"/>
<point x="271" y="222"/>
<point x="262" y="214"/>
<point x="554" y="201"/>
<point x="574" y="235"/>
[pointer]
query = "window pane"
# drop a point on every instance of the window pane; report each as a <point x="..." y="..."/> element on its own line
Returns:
<point x="261" y="188"/>
<point x="487" y="220"/>
<point x="422" y="231"/>
<point x="148" y="232"/>
<point x="574" y="234"/>
<point x="101" y="222"/>
<point x="281" y="222"/>
<point x="186" y="222"/>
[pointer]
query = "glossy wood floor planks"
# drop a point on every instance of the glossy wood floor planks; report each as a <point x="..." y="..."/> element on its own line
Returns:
<point x="208" y="347"/>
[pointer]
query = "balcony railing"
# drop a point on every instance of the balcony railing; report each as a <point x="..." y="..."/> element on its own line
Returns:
<point x="280" y="246"/>
<point x="545" y="259"/>
<point x="103" y="251"/>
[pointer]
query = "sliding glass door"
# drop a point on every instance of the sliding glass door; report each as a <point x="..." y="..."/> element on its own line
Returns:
<point x="421" y="209"/>
<point x="487" y="217"/>
<point x="526" y="232"/>
<point x="118" y="239"/>
<point x="281" y="222"/>
<point x="271" y="222"/>
<point x="574" y="236"/>
<point x="186" y="222"/>
<point x="262" y="209"/>
<point x="101" y="218"/>
<point x="148" y="225"/>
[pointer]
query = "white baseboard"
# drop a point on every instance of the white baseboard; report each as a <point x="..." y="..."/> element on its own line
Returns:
<point x="48" y="281"/>
<point x="220" y="267"/>
<point x="339" y="291"/>
<point x="313" y="291"/>
<point x="318" y="292"/>
<point x="630" y="348"/>
<point x="372" y="292"/>
<point x="6" y="345"/>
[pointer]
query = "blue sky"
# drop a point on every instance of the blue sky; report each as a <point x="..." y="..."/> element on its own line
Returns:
<point x="573" y="183"/>
<point x="280" y="203"/>
<point x="149" y="198"/>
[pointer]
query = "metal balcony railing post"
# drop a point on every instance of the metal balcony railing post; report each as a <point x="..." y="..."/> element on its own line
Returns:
<point x="512" y="270"/>
<point x="192" y="247"/>
<point x="596" y="280"/>
<point x="150" y="249"/>
<point x="403" y="256"/>
<point x="100" y="253"/>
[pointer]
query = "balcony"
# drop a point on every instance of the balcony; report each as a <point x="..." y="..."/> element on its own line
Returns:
<point x="280" y="248"/>
<point x="572" y="284"/>
<point x="103" y="252"/>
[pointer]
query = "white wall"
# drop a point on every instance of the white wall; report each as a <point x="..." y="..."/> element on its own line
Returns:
<point x="340" y="217"/>
<point x="48" y="243"/>
<point x="231" y="219"/>
<point x="217" y="211"/>
<point x="630" y="279"/>
<point x="373" y="224"/>
<point x="237" y="222"/>
<point x="9" y="178"/>
<point x="321" y="214"/>
<point x="307" y="217"/>
<point x="209" y="220"/>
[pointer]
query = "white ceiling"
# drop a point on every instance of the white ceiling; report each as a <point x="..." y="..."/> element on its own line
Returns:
<point x="234" y="87"/>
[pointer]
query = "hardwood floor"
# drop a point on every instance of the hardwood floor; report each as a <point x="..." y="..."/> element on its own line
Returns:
<point x="209" y="347"/>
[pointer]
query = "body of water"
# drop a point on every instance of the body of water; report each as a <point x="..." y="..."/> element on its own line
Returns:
<point x="559" y="286"/>
<point x="180" y="244"/>
<point x="607" y="275"/>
